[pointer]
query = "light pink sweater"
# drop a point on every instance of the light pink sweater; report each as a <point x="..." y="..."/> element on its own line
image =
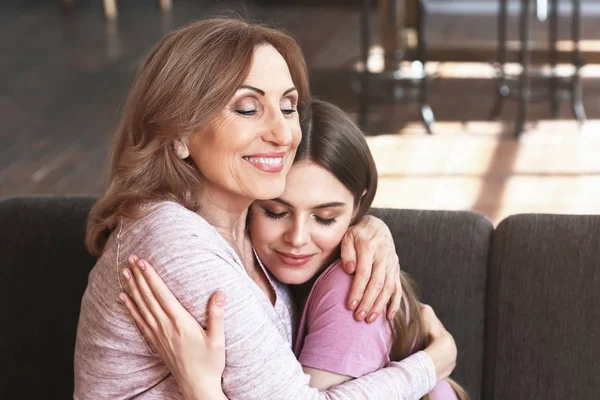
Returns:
<point x="331" y="340"/>
<point x="112" y="359"/>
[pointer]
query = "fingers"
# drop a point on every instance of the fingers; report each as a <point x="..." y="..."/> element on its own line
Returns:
<point x="216" y="321"/>
<point x="138" y="299"/>
<point x="395" y="302"/>
<point x="140" y="274"/>
<point x="137" y="317"/>
<point x="359" y="284"/>
<point x="348" y="253"/>
<point x="382" y="300"/>
<point x="161" y="292"/>
<point x="375" y="288"/>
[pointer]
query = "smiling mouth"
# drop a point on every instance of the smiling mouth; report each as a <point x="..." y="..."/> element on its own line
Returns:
<point x="293" y="259"/>
<point x="266" y="164"/>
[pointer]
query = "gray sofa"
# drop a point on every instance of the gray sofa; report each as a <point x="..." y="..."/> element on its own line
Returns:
<point x="522" y="300"/>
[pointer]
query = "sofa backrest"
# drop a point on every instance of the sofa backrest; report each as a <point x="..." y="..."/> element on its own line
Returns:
<point x="543" y="309"/>
<point x="43" y="273"/>
<point x="446" y="252"/>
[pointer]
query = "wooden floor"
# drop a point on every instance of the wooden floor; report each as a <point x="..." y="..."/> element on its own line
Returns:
<point x="64" y="76"/>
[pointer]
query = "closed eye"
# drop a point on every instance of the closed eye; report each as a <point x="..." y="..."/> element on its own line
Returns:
<point x="288" y="111"/>
<point x="273" y="215"/>
<point x="324" y="221"/>
<point x="246" y="112"/>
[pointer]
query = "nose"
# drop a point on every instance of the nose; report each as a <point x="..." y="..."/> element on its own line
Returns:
<point x="279" y="130"/>
<point x="297" y="233"/>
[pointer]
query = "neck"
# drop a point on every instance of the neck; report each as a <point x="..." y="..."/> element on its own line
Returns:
<point x="226" y="213"/>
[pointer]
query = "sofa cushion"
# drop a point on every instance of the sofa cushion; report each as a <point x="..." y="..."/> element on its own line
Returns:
<point x="544" y="309"/>
<point x="446" y="252"/>
<point x="43" y="273"/>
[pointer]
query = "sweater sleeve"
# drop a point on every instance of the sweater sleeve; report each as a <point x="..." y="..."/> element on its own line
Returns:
<point x="259" y="363"/>
<point x="333" y="340"/>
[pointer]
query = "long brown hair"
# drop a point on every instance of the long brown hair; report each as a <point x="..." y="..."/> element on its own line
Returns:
<point x="187" y="79"/>
<point x="330" y="139"/>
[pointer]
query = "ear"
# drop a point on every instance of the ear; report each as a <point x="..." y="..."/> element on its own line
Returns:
<point x="181" y="148"/>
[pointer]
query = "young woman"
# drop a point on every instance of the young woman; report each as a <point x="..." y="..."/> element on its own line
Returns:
<point x="211" y="124"/>
<point x="297" y="237"/>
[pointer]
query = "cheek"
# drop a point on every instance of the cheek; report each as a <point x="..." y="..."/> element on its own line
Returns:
<point x="264" y="231"/>
<point x="296" y="134"/>
<point x="328" y="239"/>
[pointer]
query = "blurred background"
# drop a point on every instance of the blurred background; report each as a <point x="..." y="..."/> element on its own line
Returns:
<point x="484" y="105"/>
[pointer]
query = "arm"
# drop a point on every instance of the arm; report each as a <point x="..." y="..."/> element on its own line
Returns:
<point x="260" y="363"/>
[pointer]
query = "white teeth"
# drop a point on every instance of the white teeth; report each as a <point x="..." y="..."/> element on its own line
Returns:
<point x="265" y="160"/>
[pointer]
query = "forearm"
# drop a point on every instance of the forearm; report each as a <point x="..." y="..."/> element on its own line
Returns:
<point x="411" y="378"/>
<point x="200" y="391"/>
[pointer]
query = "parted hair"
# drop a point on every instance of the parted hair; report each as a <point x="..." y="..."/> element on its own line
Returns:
<point x="332" y="140"/>
<point x="188" y="78"/>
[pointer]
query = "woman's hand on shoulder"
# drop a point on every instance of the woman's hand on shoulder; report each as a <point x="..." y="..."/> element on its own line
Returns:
<point x="368" y="250"/>
<point x="195" y="356"/>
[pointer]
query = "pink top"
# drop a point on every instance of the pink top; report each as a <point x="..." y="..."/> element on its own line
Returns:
<point x="331" y="340"/>
<point x="113" y="361"/>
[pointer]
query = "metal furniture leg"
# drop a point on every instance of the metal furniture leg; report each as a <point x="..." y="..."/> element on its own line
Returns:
<point x="553" y="39"/>
<point x="501" y="88"/>
<point x="525" y="60"/>
<point x="426" y="112"/>
<point x="363" y="106"/>
<point x="576" y="101"/>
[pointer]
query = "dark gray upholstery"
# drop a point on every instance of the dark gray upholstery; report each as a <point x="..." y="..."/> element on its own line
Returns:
<point x="43" y="273"/>
<point x="537" y="298"/>
<point x="446" y="252"/>
<point x="543" y="309"/>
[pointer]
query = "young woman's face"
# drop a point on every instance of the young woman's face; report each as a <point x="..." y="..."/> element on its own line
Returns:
<point x="249" y="148"/>
<point x="297" y="234"/>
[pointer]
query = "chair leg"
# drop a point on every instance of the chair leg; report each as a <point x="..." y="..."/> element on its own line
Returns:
<point x="166" y="5"/>
<point x="501" y="82"/>
<point x="363" y="100"/>
<point x="577" y="61"/>
<point x="525" y="60"/>
<point x="110" y="9"/>
<point x="553" y="39"/>
<point x="426" y="112"/>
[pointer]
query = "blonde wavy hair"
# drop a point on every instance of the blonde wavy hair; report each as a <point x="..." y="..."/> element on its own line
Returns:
<point x="188" y="78"/>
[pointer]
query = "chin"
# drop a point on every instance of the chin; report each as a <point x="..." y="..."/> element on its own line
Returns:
<point x="269" y="190"/>
<point x="291" y="278"/>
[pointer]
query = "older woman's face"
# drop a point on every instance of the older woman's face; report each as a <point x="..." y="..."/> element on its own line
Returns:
<point x="249" y="148"/>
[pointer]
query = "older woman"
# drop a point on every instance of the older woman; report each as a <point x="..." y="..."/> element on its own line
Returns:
<point x="210" y="126"/>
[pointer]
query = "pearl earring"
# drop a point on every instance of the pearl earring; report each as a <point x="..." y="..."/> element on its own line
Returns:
<point x="181" y="149"/>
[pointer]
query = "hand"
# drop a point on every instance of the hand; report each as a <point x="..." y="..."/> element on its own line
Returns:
<point x="368" y="249"/>
<point x="195" y="357"/>
<point x="442" y="348"/>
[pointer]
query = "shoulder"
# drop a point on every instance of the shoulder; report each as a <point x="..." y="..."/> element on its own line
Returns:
<point x="333" y="281"/>
<point x="170" y="222"/>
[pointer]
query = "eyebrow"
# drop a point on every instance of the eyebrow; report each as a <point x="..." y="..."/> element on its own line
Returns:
<point x="262" y="92"/>
<point x="320" y="206"/>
